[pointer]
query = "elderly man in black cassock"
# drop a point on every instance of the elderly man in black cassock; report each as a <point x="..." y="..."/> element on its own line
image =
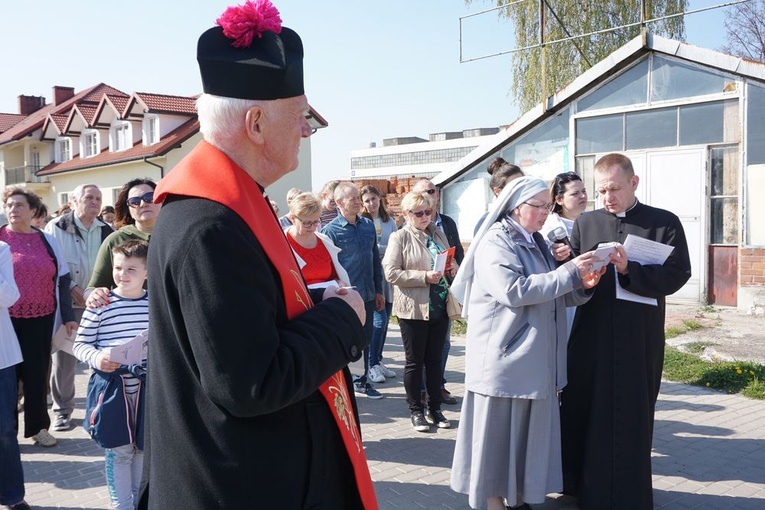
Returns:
<point x="247" y="400"/>
<point x="616" y="349"/>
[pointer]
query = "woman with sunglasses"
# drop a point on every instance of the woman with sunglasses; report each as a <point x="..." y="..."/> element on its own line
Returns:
<point x="419" y="302"/>
<point x="316" y="253"/>
<point x="135" y="214"/>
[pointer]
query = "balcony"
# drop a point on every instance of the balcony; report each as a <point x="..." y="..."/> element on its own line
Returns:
<point x="23" y="175"/>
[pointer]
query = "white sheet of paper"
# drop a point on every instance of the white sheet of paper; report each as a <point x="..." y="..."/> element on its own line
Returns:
<point x="439" y="262"/>
<point x="324" y="285"/>
<point x="645" y="252"/>
<point x="63" y="342"/>
<point x="132" y="352"/>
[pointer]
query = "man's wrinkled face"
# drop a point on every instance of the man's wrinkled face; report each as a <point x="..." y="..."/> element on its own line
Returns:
<point x="89" y="204"/>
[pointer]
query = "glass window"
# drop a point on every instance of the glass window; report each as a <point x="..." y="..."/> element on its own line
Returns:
<point x="628" y="88"/>
<point x="544" y="151"/>
<point x="674" y="80"/>
<point x="121" y="138"/>
<point x="701" y="123"/>
<point x="585" y="168"/>
<point x="755" y="125"/>
<point x="723" y="191"/>
<point x="89" y="144"/>
<point x="654" y="128"/>
<point x="151" y="129"/>
<point x="600" y="134"/>
<point x="63" y="150"/>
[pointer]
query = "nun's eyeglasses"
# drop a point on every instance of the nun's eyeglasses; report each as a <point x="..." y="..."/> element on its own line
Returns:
<point x="545" y="207"/>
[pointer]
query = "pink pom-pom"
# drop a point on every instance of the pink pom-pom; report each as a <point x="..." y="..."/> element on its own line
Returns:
<point x="242" y="22"/>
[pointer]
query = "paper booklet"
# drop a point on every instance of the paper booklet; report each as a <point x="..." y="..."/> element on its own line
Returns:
<point x="133" y="351"/>
<point x="602" y="252"/>
<point x="443" y="260"/>
<point x="645" y="252"/>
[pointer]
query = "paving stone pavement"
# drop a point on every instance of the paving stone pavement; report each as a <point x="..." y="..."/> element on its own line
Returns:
<point x="709" y="450"/>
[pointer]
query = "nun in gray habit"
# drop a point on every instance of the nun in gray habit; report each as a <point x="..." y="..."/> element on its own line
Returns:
<point x="515" y="296"/>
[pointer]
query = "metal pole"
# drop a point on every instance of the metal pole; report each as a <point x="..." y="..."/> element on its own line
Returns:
<point x="543" y="52"/>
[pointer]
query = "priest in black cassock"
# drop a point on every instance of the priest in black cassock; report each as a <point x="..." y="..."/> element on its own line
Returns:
<point x="616" y="349"/>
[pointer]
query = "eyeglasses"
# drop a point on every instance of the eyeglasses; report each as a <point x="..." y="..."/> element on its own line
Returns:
<point x="545" y="207"/>
<point x="308" y="223"/>
<point x="430" y="191"/>
<point x="146" y="198"/>
<point x="420" y="214"/>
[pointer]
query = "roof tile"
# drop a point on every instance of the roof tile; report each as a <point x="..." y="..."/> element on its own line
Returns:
<point x="167" y="104"/>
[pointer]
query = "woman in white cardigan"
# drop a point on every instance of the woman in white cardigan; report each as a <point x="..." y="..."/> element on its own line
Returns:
<point x="12" y="479"/>
<point x="316" y="253"/>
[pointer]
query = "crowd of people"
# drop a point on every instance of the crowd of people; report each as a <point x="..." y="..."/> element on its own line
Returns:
<point x="246" y="322"/>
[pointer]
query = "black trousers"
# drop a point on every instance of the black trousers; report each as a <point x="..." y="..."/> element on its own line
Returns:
<point x="423" y="346"/>
<point x="34" y="339"/>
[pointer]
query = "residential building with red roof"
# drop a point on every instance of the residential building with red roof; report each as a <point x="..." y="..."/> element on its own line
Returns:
<point x="104" y="136"/>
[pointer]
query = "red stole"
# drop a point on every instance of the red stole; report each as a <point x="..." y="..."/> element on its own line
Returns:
<point x="208" y="173"/>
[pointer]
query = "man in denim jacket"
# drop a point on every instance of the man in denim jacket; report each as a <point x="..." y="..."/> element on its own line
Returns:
<point x="355" y="235"/>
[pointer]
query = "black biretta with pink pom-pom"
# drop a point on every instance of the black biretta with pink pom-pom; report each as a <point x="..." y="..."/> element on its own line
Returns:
<point x="249" y="55"/>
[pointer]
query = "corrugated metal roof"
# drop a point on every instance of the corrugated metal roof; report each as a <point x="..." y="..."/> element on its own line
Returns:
<point x="617" y="60"/>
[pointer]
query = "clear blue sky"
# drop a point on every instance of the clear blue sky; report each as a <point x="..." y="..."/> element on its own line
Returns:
<point x="374" y="70"/>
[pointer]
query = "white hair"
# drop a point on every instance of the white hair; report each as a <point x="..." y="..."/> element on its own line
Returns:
<point x="77" y="193"/>
<point x="222" y="117"/>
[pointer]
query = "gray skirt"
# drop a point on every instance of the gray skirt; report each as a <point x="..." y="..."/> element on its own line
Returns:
<point x="508" y="448"/>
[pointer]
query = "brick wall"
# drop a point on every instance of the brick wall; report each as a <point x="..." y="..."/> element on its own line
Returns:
<point x="394" y="188"/>
<point x="752" y="267"/>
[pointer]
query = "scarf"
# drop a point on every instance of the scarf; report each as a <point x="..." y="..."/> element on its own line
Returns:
<point x="208" y="173"/>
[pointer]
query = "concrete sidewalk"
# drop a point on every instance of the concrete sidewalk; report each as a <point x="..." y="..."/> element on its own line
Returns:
<point x="709" y="450"/>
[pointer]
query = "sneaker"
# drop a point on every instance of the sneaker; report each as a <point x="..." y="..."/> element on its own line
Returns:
<point x="418" y="422"/>
<point x="438" y="419"/>
<point x="365" y="388"/>
<point x="387" y="372"/>
<point x="61" y="422"/>
<point x="376" y="374"/>
<point x="22" y="505"/>
<point x="447" y="398"/>
<point x="43" y="438"/>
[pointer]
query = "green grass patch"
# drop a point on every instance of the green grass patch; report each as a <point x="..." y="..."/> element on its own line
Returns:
<point x="459" y="327"/>
<point x="692" y="325"/>
<point x="697" y="347"/>
<point x="674" y="331"/>
<point x="743" y="377"/>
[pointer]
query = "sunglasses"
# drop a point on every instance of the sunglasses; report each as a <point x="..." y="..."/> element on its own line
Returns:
<point x="146" y="198"/>
<point x="420" y="214"/>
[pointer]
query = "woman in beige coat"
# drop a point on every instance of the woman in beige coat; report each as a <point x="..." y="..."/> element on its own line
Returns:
<point x="419" y="302"/>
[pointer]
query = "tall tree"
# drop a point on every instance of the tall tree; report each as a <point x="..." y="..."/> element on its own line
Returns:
<point x="564" y="61"/>
<point x="745" y="30"/>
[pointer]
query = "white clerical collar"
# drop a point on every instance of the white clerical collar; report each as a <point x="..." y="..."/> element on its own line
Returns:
<point x="624" y="214"/>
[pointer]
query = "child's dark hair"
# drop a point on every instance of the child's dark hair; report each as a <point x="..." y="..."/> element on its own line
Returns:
<point x="133" y="248"/>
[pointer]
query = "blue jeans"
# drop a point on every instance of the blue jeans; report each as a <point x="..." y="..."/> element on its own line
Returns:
<point x="369" y="308"/>
<point x="12" y="478"/>
<point x="380" y="325"/>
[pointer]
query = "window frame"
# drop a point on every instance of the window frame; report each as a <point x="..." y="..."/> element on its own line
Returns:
<point x="63" y="149"/>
